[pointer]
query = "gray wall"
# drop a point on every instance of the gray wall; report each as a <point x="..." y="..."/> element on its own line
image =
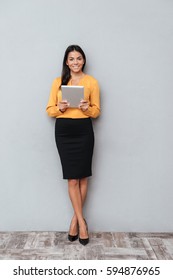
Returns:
<point x="129" y="49"/>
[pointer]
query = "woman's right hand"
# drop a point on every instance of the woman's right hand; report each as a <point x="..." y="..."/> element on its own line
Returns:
<point x="63" y="105"/>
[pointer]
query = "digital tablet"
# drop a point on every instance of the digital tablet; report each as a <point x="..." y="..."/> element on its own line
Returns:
<point x="73" y="94"/>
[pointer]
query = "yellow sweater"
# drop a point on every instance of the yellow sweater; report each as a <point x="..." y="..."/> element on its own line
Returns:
<point x="91" y="94"/>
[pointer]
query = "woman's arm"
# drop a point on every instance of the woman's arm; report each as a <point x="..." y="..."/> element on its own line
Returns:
<point x="93" y="109"/>
<point x="52" y="108"/>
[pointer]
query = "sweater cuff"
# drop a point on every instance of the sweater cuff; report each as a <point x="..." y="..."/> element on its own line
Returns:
<point x="88" y="111"/>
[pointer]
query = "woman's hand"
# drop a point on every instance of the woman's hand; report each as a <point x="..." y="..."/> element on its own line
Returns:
<point x="63" y="105"/>
<point x="83" y="105"/>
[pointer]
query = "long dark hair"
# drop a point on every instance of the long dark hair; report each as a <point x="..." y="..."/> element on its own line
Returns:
<point x="65" y="76"/>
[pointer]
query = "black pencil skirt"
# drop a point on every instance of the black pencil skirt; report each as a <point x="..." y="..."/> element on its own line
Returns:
<point x="75" y="143"/>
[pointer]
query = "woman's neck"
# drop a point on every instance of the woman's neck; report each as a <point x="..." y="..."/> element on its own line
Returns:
<point x="77" y="75"/>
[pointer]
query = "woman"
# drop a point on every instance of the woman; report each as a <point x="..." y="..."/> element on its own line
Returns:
<point x="74" y="134"/>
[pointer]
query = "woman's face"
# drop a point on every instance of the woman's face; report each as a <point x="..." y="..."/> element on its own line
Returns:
<point x="75" y="61"/>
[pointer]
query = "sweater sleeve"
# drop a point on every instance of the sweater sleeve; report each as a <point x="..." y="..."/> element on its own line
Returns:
<point x="52" y="107"/>
<point x="93" y="110"/>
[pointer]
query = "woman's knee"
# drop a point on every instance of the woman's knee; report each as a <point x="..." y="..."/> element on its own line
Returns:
<point x="73" y="182"/>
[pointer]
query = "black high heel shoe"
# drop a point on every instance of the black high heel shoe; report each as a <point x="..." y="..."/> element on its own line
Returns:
<point x="72" y="238"/>
<point x="84" y="241"/>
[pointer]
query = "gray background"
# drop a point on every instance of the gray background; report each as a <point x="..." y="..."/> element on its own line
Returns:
<point x="129" y="49"/>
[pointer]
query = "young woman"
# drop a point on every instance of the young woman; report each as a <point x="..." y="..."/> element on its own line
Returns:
<point x="74" y="134"/>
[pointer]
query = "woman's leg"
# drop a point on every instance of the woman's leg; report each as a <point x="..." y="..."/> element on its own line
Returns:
<point x="77" y="193"/>
<point x="83" y="184"/>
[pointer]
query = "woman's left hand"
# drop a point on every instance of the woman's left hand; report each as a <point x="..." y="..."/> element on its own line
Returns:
<point x="83" y="105"/>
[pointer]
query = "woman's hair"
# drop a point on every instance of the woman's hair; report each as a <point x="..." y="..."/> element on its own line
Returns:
<point x="65" y="76"/>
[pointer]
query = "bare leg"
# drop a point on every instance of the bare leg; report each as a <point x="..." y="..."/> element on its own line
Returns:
<point x="77" y="193"/>
<point x="83" y="184"/>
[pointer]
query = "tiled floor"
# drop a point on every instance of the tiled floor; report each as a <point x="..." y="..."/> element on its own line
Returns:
<point x="102" y="246"/>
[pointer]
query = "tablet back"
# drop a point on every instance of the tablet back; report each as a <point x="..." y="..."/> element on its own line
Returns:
<point x="73" y="94"/>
